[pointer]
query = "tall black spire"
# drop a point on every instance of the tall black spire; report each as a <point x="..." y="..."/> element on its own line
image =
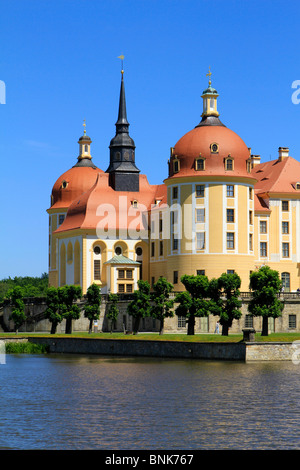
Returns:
<point x="123" y="174"/>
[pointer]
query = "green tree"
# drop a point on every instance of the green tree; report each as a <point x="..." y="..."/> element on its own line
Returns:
<point x="54" y="308"/>
<point x="140" y="306"/>
<point x="225" y="302"/>
<point x="92" y="305"/>
<point x="162" y="304"/>
<point x="265" y="285"/>
<point x="16" y="296"/>
<point x="194" y="301"/>
<point x="32" y="286"/>
<point x="71" y="311"/>
<point x="113" y="310"/>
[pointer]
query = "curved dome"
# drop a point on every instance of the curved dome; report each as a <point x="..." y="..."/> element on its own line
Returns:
<point x="215" y="144"/>
<point x="71" y="184"/>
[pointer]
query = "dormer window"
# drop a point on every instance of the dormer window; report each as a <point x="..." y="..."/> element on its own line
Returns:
<point x="200" y="164"/>
<point x="229" y="163"/>
<point x="298" y="186"/>
<point x="134" y="203"/>
<point x="64" y="184"/>
<point x="176" y="165"/>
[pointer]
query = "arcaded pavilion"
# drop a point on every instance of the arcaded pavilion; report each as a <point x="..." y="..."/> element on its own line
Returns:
<point x="218" y="210"/>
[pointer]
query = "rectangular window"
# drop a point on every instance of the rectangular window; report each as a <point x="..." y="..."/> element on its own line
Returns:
<point x="263" y="249"/>
<point x="230" y="190"/>
<point x="181" y="322"/>
<point x="200" y="272"/>
<point x="152" y="281"/>
<point x="121" y="288"/>
<point x="129" y="274"/>
<point x="121" y="274"/>
<point x="230" y="215"/>
<point x="175" y="277"/>
<point x="263" y="226"/>
<point x="230" y="271"/>
<point x="129" y="288"/>
<point x="250" y="241"/>
<point x="161" y="248"/>
<point x="286" y="250"/>
<point x="97" y="274"/>
<point x="175" y="243"/>
<point x="230" y="241"/>
<point x="175" y="192"/>
<point x="200" y="215"/>
<point x="152" y="248"/>
<point x="200" y="164"/>
<point x="200" y="188"/>
<point x="250" y="193"/>
<point x="160" y="225"/>
<point x="200" y="241"/>
<point x="248" y="321"/>
<point x="292" y="321"/>
<point x="250" y="217"/>
<point x="285" y="227"/>
<point x="285" y="205"/>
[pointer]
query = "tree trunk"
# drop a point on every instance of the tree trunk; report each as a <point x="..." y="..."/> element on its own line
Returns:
<point x="265" y="326"/>
<point x="69" y="326"/>
<point x="191" y="325"/>
<point x="225" y="329"/>
<point x="91" y="326"/>
<point x="161" y="327"/>
<point x="136" y="325"/>
<point x="53" y="328"/>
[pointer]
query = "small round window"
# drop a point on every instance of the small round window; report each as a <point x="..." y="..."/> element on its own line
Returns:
<point x="118" y="250"/>
<point x="214" y="148"/>
<point x="139" y="251"/>
<point x="97" y="250"/>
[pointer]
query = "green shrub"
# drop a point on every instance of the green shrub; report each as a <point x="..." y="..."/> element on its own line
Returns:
<point x="25" y="348"/>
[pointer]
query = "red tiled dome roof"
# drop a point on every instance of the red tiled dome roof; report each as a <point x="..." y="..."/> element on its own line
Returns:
<point x="71" y="184"/>
<point x="198" y="143"/>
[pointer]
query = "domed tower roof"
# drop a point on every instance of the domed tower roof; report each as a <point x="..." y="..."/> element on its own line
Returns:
<point x="210" y="149"/>
<point x="78" y="179"/>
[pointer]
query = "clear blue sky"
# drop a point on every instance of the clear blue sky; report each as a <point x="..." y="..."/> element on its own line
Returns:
<point x="59" y="63"/>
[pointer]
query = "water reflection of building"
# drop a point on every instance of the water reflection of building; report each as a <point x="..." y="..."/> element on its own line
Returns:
<point x="218" y="210"/>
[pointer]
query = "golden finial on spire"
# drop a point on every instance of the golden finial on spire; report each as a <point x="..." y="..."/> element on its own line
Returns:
<point x="122" y="58"/>
<point x="84" y="125"/>
<point x="209" y="75"/>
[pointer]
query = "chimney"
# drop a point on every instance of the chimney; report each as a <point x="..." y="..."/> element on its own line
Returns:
<point x="255" y="160"/>
<point x="283" y="152"/>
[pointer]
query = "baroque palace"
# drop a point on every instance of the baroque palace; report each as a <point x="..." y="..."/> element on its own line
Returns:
<point x="218" y="210"/>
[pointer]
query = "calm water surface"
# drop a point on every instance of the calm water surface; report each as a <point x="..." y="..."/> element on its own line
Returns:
<point x="75" y="402"/>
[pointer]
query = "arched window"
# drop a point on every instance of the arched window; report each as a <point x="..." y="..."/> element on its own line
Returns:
<point x="70" y="253"/>
<point x="77" y="263"/>
<point x="63" y="260"/>
<point x="139" y="258"/>
<point x="97" y="263"/>
<point x="286" y="281"/>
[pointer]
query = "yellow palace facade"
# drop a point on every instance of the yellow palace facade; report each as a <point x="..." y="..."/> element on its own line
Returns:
<point x="218" y="210"/>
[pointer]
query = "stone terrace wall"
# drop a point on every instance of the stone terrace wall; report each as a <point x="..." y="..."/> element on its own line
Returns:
<point x="36" y="322"/>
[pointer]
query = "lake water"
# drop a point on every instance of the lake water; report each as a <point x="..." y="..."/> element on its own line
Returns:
<point x="73" y="402"/>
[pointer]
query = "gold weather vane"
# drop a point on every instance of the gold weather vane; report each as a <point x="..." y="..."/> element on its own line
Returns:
<point x="209" y="75"/>
<point x="122" y="58"/>
<point x="84" y="126"/>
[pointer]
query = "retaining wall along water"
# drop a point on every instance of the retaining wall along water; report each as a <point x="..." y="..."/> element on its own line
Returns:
<point x="242" y="351"/>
